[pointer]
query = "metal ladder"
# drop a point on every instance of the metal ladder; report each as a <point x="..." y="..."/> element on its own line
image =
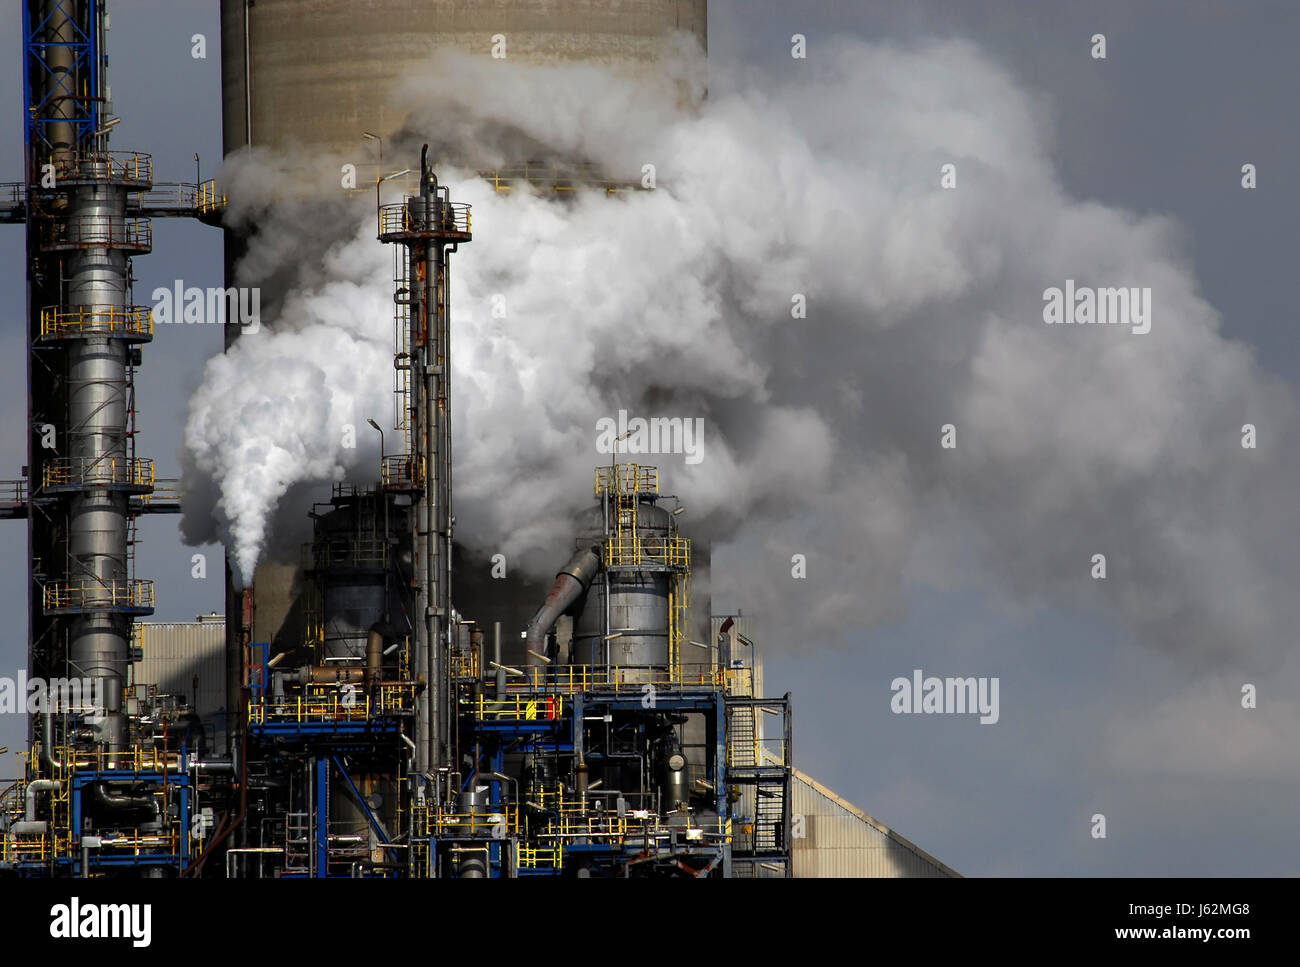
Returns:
<point x="742" y="737"/>
<point x="769" y="818"/>
<point x="297" y="842"/>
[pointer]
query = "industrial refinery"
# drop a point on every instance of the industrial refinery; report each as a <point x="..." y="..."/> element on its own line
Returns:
<point x="376" y="710"/>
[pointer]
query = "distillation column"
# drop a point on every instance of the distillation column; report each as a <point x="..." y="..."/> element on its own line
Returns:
<point x="430" y="227"/>
<point x="99" y="462"/>
<point x="82" y="459"/>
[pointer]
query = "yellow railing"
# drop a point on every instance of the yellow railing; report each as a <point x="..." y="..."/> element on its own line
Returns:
<point x="58" y="321"/>
<point x="464" y="666"/>
<point x="26" y="849"/>
<point x="557" y="179"/>
<point x="166" y="489"/>
<point x="207" y="199"/>
<point x="65" y="471"/>
<point x="396" y="219"/>
<point x="580" y="678"/>
<point x="145" y="844"/>
<point x="136" y="759"/>
<point x="100" y="230"/>
<point x="43" y="847"/>
<point x="579" y="820"/>
<point x="104" y="166"/>
<point x="523" y="708"/>
<point x="89" y="595"/>
<point x="538" y="857"/>
<point x="335" y="705"/>
<point x="399" y="469"/>
<point x="627" y="478"/>
<point x="626" y="548"/>
<point x="739" y="681"/>
<point x="497" y="822"/>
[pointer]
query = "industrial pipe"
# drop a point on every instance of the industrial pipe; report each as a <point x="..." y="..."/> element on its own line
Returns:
<point x="327" y="675"/>
<point x="374" y="657"/>
<point x="231" y="823"/>
<point x="47" y="760"/>
<point x="223" y="766"/>
<point x="112" y="801"/>
<point x="574" y="578"/>
<point x="496" y="662"/>
<point x="33" y="788"/>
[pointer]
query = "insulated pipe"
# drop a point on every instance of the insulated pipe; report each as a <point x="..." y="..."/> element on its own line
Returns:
<point x="496" y="661"/>
<point x="574" y="578"/>
<point x="327" y="675"/>
<point x="35" y="787"/>
<point x="48" y="762"/>
<point x="223" y="766"/>
<point x="112" y="801"/>
<point x="374" y="658"/>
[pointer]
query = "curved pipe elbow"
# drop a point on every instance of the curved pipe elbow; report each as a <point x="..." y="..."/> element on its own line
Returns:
<point x="574" y="579"/>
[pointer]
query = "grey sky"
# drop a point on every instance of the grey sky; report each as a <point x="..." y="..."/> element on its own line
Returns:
<point x="1189" y="92"/>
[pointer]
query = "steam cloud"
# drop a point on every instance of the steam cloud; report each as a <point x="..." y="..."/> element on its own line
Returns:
<point x="822" y="434"/>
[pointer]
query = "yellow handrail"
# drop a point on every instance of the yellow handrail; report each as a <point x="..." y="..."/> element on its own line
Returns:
<point x="99" y="594"/>
<point x="58" y="320"/>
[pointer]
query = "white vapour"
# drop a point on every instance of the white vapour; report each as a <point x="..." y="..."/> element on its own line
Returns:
<point x="822" y="434"/>
<point x="289" y="404"/>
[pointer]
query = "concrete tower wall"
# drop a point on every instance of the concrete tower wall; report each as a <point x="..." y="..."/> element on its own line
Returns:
<point x="319" y="72"/>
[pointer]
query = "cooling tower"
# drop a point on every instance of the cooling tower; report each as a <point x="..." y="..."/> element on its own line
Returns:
<point x="317" y="73"/>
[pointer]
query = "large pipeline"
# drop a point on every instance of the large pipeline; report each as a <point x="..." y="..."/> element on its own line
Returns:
<point x="133" y="804"/>
<point x="374" y="658"/>
<point x="572" y="580"/>
<point x="29" y="823"/>
<point x="47" y="760"/>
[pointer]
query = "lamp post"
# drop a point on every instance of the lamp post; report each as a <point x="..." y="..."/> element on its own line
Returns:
<point x="381" y="448"/>
<point x="379" y="181"/>
<point x="380" y="141"/>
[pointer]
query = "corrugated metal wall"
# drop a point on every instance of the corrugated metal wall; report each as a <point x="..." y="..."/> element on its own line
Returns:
<point x="187" y="658"/>
<point x="840" y="840"/>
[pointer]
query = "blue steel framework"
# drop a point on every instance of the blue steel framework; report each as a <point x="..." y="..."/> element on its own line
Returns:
<point x="281" y="738"/>
<point x="83" y="46"/>
<point x="553" y="723"/>
<point x="493" y="776"/>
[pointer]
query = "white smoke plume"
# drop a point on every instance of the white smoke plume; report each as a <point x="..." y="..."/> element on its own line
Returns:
<point x="288" y="404"/>
<point x="821" y="434"/>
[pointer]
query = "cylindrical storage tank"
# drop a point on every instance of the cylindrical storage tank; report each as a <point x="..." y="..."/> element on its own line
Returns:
<point x="317" y="73"/>
<point x="637" y="606"/>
